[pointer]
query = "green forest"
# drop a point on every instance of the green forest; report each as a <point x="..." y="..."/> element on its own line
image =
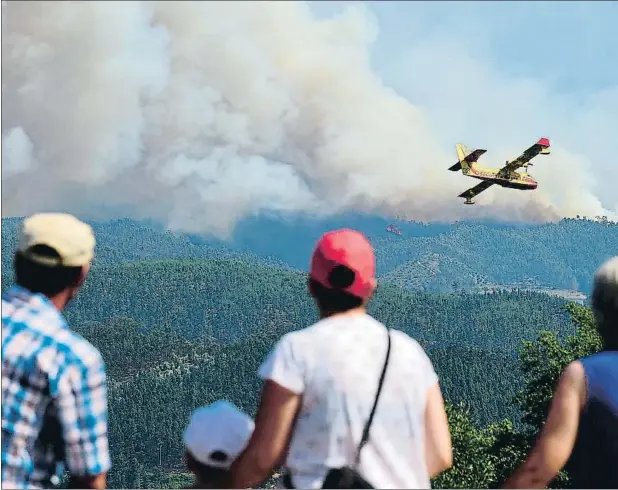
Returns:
<point x="182" y="323"/>
<point x="429" y="256"/>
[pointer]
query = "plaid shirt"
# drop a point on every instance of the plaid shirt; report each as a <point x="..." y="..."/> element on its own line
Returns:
<point x="54" y="396"/>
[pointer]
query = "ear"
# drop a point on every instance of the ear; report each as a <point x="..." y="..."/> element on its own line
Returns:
<point x="310" y="286"/>
<point x="189" y="462"/>
<point x="374" y="285"/>
<point x="83" y="274"/>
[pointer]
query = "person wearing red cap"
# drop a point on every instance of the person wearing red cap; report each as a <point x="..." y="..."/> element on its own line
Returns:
<point x="347" y="376"/>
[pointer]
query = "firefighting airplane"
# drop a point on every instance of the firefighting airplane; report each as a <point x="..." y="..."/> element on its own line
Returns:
<point x="505" y="176"/>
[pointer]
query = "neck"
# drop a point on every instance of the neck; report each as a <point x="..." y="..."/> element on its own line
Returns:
<point x="212" y="484"/>
<point x="60" y="301"/>
<point x="361" y="310"/>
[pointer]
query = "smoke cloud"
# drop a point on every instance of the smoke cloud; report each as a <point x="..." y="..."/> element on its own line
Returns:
<point x="202" y="113"/>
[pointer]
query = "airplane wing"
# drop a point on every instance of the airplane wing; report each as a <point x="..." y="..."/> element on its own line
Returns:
<point x="476" y="190"/>
<point x="541" y="146"/>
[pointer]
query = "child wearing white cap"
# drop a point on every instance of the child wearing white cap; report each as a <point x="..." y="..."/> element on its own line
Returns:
<point x="214" y="438"/>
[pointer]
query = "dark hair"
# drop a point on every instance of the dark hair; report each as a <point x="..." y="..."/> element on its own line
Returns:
<point x="43" y="279"/>
<point x="206" y="475"/>
<point x="606" y="316"/>
<point x="335" y="300"/>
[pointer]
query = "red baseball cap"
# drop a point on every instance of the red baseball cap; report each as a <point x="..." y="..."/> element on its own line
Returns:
<point x="349" y="248"/>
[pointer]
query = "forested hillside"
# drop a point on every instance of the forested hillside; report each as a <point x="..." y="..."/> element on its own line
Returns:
<point x="199" y="330"/>
<point x="177" y="334"/>
<point x="126" y="240"/>
<point x="183" y="320"/>
<point x="157" y="378"/>
<point x="433" y="257"/>
<point x="227" y="300"/>
<point x="562" y="255"/>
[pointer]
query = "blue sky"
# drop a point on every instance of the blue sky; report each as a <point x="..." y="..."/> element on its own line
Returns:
<point x="500" y="74"/>
<point x="571" y="45"/>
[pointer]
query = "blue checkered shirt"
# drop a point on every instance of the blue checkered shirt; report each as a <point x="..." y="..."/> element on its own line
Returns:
<point x="54" y="396"/>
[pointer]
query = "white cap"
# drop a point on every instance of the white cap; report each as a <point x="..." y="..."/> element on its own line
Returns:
<point x="219" y="427"/>
<point x="73" y="240"/>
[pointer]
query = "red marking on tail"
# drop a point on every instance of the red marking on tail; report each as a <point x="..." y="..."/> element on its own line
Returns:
<point x="543" y="142"/>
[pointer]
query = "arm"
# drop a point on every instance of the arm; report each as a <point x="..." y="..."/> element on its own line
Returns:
<point x="283" y="372"/>
<point x="554" y="445"/>
<point x="96" y="481"/>
<point x="438" y="448"/>
<point x="81" y="402"/>
<point x="268" y="444"/>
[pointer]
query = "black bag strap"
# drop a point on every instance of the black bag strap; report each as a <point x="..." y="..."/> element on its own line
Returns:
<point x="365" y="437"/>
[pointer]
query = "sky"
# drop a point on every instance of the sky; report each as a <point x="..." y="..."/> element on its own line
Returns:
<point x="202" y="113"/>
<point x="506" y="73"/>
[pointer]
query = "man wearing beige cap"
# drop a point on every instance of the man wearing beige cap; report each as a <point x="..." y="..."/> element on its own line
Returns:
<point x="54" y="392"/>
<point x="215" y="436"/>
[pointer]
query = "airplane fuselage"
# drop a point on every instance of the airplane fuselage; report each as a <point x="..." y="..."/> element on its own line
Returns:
<point x="514" y="180"/>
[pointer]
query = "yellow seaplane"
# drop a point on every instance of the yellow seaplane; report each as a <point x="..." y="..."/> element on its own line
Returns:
<point x="505" y="176"/>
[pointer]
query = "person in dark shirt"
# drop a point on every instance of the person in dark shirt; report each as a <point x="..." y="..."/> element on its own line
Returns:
<point x="581" y="431"/>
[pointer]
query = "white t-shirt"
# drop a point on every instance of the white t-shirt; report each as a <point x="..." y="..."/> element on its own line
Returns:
<point x="336" y="365"/>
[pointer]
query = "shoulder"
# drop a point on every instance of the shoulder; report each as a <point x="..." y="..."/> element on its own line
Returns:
<point x="572" y="381"/>
<point x="309" y="335"/>
<point x="31" y="311"/>
<point x="294" y="344"/>
<point x="7" y="307"/>
<point x="57" y="347"/>
<point x="569" y="395"/>
<point x="414" y="358"/>
<point x="34" y="315"/>
<point x="604" y="358"/>
<point x="76" y="351"/>
<point x="574" y="372"/>
<point x="595" y="370"/>
<point x="296" y="347"/>
<point x="79" y="367"/>
<point x="407" y="344"/>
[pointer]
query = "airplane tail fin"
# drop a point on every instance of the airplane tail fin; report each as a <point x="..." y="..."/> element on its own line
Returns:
<point x="466" y="158"/>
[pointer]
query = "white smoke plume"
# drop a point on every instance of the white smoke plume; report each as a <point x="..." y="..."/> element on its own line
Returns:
<point x="202" y="113"/>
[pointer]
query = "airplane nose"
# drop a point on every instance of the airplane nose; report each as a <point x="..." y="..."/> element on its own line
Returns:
<point x="534" y="184"/>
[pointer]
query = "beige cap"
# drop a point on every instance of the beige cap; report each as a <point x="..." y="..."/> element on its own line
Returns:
<point x="72" y="239"/>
